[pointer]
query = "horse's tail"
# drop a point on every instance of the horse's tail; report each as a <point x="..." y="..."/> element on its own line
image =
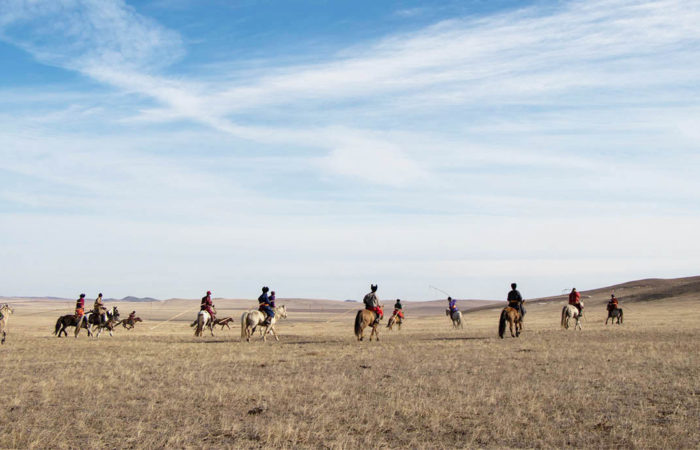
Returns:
<point x="200" y="324"/>
<point x="563" y="316"/>
<point x="244" y="320"/>
<point x="58" y="325"/>
<point x="502" y="323"/>
<point x="358" y="323"/>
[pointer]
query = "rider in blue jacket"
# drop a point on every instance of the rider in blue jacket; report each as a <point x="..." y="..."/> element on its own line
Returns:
<point x="265" y="306"/>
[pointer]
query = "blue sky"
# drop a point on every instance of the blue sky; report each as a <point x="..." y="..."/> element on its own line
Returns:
<point x="164" y="148"/>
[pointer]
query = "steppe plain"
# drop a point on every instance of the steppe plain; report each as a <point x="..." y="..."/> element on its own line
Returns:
<point x="635" y="385"/>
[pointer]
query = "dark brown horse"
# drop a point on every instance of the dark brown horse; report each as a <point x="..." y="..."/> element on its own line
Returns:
<point x="69" y="320"/>
<point x="512" y="316"/>
<point x="364" y="319"/>
<point x="614" y="314"/>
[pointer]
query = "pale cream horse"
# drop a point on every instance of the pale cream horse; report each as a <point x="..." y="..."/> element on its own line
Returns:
<point x="5" y="311"/>
<point x="456" y="318"/>
<point x="252" y="319"/>
<point x="203" y="321"/>
<point x="569" y="312"/>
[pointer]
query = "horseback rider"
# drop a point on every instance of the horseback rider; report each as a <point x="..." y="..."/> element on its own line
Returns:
<point x="452" y="305"/>
<point x="515" y="300"/>
<point x="398" y="308"/>
<point x="265" y="305"/>
<point x="99" y="309"/>
<point x="612" y="303"/>
<point x="80" y="307"/>
<point x="207" y="305"/>
<point x="132" y="316"/>
<point x="575" y="299"/>
<point x="372" y="303"/>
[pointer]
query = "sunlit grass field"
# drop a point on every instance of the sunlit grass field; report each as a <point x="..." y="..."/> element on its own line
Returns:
<point x="427" y="385"/>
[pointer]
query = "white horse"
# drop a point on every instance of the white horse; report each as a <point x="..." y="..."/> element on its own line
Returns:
<point x="252" y="319"/>
<point x="569" y="312"/>
<point x="5" y="311"/>
<point x="456" y="318"/>
<point x="203" y="320"/>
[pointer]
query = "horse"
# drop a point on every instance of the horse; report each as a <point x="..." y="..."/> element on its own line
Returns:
<point x="614" y="314"/>
<point x="203" y="320"/>
<point x="223" y="322"/>
<point x="569" y="312"/>
<point x="5" y="312"/>
<point x="129" y="323"/>
<point x="395" y="319"/>
<point x="97" y="323"/>
<point x="514" y="319"/>
<point x="366" y="318"/>
<point x="456" y="318"/>
<point x="69" y="320"/>
<point x="254" y="318"/>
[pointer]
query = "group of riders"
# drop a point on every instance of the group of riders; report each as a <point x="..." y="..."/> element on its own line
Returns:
<point x="266" y="304"/>
<point x="514" y="299"/>
<point x="98" y="308"/>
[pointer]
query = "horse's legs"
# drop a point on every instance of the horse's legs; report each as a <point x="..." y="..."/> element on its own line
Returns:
<point x="4" y="335"/>
<point x="375" y="333"/>
<point x="274" y="333"/>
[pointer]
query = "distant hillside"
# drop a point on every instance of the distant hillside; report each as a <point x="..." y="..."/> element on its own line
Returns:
<point x="645" y="290"/>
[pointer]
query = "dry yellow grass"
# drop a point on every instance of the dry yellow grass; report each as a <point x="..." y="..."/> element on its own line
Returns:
<point x="636" y="385"/>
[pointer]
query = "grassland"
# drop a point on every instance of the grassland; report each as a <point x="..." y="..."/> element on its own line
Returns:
<point x="426" y="386"/>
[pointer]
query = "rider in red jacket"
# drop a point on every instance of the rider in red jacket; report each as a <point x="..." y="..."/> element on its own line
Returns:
<point x="207" y="305"/>
<point x="575" y="299"/>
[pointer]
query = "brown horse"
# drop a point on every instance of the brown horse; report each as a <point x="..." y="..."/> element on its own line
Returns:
<point x="224" y="322"/>
<point x="364" y="319"/>
<point x="129" y="323"/>
<point x="395" y="319"/>
<point x="512" y="316"/>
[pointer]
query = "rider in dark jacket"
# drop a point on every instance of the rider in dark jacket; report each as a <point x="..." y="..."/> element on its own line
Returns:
<point x="398" y="308"/>
<point x="515" y="300"/>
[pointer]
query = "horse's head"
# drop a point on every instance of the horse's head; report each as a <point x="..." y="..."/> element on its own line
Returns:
<point x="282" y="311"/>
<point x="115" y="313"/>
<point x="6" y="309"/>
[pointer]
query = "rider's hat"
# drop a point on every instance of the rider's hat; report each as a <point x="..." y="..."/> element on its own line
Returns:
<point x="82" y="295"/>
<point x="208" y="292"/>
